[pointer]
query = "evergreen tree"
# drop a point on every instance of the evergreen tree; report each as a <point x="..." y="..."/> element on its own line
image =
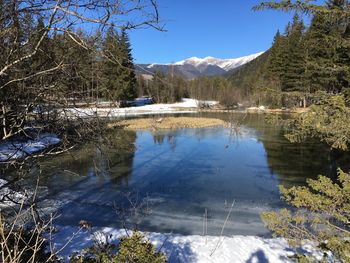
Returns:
<point x="44" y="59"/>
<point x="276" y="59"/>
<point x="118" y="69"/>
<point x="343" y="60"/>
<point x="321" y="43"/>
<point x="111" y="65"/>
<point x="293" y="67"/>
<point x="128" y="77"/>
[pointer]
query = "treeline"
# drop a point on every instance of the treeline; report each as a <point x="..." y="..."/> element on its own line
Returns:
<point x="59" y="69"/>
<point x="80" y="69"/>
<point x="171" y="88"/>
<point x="302" y="61"/>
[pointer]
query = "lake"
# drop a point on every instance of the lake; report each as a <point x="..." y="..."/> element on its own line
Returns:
<point x="182" y="181"/>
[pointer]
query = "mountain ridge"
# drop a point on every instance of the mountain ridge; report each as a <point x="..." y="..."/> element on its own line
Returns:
<point x="193" y="67"/>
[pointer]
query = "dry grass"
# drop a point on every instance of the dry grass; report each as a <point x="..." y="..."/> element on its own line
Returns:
<point x="167" y="123"/>
<point x="293" y="110"/>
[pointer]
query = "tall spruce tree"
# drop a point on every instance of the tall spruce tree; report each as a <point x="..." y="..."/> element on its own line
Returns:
<point x="321" y="43"/>
<point x="294" y="60"/>
<point x="128" y="77"/>
<point x="276" y="57"/>
<point x="111" y="65"/>
<point x="119" y="78"/>
<point x="343" y="60"/>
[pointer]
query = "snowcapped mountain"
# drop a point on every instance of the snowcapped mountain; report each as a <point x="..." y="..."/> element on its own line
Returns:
<point x="195" y="67"/>
<point x="225" y="64"/>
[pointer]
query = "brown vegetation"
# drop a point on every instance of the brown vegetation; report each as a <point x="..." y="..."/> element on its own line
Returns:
<point x="167" y="123"/>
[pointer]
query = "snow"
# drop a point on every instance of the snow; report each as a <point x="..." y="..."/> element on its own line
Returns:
<point x="226" y="64"/>
<point x="156" y="64"/>
<point x="22" y="147"/>
<point x="185" y="106"/>
<point x="9" y="196"/>
<point x="190" y="248"/>
<point x="256" y="109"/>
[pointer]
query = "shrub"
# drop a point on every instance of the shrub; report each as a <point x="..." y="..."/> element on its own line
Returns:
<point x="131" y="249"/>
<point x="323" y="216"/>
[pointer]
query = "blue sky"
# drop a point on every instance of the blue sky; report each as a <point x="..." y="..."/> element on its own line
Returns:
<point x="218" y="28"/>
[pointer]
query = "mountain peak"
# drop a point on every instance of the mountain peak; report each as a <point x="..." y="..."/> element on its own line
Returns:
<point x="225" y="64"/>
<point x="193" y="67"/>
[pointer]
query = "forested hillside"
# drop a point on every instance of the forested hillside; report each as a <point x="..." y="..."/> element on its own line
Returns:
<point x="302" y="60"/>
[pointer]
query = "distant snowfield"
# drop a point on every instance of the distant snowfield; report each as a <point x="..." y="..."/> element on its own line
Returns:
<point x="191" y="248"/>
<point x="185" y="106"/>
<point x="225" y="64"/>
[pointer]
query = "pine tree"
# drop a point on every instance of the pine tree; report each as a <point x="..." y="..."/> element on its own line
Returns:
<point x="294" y="64"/>
<point x="111" y="65"/>
<point x="118" y="68"/>
<point x="343" y="60"/>
<point x="128" y="77"/>
<point x="325" y="68"/>
<point x="44" y="59"/>
<point x="321" y="43"/>
<point x="276" y="58"/>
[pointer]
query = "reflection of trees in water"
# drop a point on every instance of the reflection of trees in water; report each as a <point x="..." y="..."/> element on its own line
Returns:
<point x="289" y="161"/>
<point x="158" y="138"/>
<point x="169" y="135"/>
<point x="100" y="159"/>
<point x="115" y="158"/>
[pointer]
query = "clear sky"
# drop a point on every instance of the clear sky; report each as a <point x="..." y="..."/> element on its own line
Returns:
<point x="218" y="28"/>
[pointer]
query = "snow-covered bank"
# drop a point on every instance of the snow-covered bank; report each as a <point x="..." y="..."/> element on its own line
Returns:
<point x="20" y="148"/>
<point x="185" y="106"/>
<point x="192" y="248"/>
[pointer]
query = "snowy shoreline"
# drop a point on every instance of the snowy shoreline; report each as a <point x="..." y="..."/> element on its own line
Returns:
<point x="179" y="248"/>
<point x="185" y="106"/>
<point x="185" y="248"/>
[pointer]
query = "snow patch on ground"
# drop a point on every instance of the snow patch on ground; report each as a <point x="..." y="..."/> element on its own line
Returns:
<point x="256" y="109"/>
<point x="23" y="147"/>
<point x="180" y="248"/>
<point x="185" y="106"/>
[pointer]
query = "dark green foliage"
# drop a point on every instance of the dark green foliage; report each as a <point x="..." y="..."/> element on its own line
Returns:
<point x="111" y="65"/>
<point x="321" y="42"/>
<point x="276" y="57"/>
<point x="307" y="7"/>
<point x="248" y="75"/>
<point x="128" y="85"/>
<point x="343" y="59"/>
<point x="119" y="80"/>
<point x="327" y="121"/>
<point x="292" y="67"/>
<point x="325" y="222"/>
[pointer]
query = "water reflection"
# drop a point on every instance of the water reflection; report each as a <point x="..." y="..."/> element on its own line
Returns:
<point x="166" y="180"/>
